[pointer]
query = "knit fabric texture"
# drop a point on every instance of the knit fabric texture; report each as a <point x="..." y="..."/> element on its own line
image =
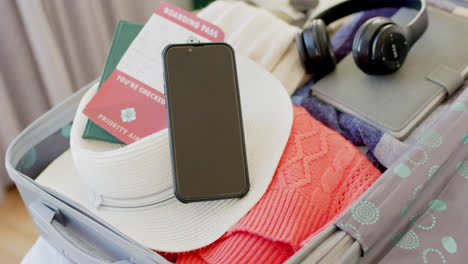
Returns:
<point x="319" y="175"/>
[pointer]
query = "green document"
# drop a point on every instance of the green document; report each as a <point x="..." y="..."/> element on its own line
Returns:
<point x="124" y="34"/>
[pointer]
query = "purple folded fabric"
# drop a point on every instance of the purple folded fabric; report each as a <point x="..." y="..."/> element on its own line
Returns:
<point x="353" y="129"/>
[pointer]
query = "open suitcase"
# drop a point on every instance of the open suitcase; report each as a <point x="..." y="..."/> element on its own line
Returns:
<point x="84" y="238"/>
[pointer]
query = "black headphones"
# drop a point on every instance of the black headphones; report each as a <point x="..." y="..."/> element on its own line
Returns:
<point x="379" y="47"/>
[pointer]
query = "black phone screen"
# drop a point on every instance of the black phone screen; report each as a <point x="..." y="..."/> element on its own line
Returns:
<point x="205" y="122"/>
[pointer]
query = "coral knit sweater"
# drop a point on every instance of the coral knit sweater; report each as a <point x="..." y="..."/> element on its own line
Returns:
<point x="319" y="175"/>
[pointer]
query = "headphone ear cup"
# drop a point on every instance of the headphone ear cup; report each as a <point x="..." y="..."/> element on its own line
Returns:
<point x="327" y="49"/>
<point x="320" y="57"/>
<point x="363" y="41"/>
<point x="301" y="49"/>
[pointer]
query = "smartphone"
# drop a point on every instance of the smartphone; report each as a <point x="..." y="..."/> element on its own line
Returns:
<point x="205" y="122"/>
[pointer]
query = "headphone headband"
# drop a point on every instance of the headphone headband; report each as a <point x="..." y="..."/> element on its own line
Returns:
<point x="414" y="29"/>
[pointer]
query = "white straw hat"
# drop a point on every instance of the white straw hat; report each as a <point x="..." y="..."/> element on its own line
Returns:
<point x="130" y="187"/>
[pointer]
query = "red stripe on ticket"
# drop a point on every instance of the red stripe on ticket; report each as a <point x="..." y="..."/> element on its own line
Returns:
<point x="127" y="108"/>
<point x="190" y="21"/>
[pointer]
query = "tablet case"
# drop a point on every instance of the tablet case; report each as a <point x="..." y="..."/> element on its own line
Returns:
<point x="124" y="35"/>
<point x="396" y="103"/>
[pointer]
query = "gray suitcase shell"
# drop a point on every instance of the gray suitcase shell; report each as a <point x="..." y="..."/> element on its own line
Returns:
<point x="67" y="226"/>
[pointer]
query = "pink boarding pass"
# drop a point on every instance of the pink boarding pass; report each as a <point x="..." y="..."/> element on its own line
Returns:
<point x="131" y="103"/>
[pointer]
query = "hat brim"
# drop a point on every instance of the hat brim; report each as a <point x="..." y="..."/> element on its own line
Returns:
<point x="173" y="226"/>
